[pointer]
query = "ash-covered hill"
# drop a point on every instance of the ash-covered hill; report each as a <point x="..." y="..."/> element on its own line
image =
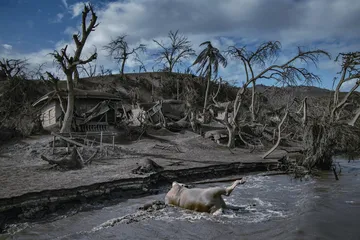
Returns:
<point x="18" y="115"/>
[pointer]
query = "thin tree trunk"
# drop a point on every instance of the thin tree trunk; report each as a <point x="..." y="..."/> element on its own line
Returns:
<point x="59" y="98"/>
<point x="304" y="120"/>
<point x="207" y="93"/>
<point x="76" y="77"/>
<point x="122" y="67"/>
<point x="231" y="141"/>
<point x="66" y="127"/>
<point x="279" y="136"/>
<point x="61" y="103"/>
<point x="337" y="90"/>
<point x="177" y="88"/>
<point x="343" y="101"/>
<point x="253" y="102"/>
<point x="355" y="118"/>
<point x="170" y="68"/>
<point x="193" y="121"/>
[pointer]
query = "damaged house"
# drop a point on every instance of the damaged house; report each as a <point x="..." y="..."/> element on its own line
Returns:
<point x="157" y="112"/>
<point x="94" y="111"/>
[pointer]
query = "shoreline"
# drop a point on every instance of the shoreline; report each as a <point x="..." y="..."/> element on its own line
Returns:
<point x="35" y="206"/>
<point x="32" y="190"/>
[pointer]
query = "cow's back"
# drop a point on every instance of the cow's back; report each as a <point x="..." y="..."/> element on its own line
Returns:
<point x="202" y="200"/>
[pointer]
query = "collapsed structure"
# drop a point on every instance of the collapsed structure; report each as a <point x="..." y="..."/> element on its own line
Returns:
<point x="98" y="111"/>
<point x="94" y="111"/>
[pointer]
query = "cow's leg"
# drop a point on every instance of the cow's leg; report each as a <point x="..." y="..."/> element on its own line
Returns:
<point x="217" y="191"/>
<point x="229" y="189"/>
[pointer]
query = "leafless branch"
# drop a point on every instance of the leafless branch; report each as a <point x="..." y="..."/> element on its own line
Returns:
<point x="13" y="67"/>
<point x="178" y="49"/>
<point x="119" y="49"/>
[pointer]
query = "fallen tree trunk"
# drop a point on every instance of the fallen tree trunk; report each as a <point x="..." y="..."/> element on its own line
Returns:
<point x="69" y="162"/>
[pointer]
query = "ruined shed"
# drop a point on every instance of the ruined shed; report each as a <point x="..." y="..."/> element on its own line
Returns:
<point x="170" y="109"/>
<point x="94" y="111"/>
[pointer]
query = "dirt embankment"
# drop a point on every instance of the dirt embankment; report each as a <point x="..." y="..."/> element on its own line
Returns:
<point x="31" y="189"/>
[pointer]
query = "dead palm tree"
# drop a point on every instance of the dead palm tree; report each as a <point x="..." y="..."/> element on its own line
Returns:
<point x="208" y="61"/>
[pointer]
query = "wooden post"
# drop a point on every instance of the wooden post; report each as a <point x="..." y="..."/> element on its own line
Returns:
<point x="177" y="88"/>
<point x="68" y="140"/>
<point x="125" y="112"/>
<point x="53" y="145"/>
<point x="101" y="138"/>
<point x="335" y="173"/>
<point x="85" y="138"/>
<point x="113" y="142"/>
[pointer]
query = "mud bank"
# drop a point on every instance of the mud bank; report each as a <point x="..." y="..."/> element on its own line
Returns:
<point x="40" y="205"/>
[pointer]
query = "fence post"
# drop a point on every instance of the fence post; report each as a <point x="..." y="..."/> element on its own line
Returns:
<point x="53" y="145"/>
<point x="101" y="138"/>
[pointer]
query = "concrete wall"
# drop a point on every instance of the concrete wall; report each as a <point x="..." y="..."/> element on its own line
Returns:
<point x="48" y="115"/>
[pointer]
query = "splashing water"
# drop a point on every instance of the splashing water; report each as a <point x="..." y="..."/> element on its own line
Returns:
<point x="270" y="207"/>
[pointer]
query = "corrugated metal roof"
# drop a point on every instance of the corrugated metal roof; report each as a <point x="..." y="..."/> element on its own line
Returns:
<point x="79" y="93"/>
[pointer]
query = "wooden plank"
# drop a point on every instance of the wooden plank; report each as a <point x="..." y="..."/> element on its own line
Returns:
<point x="67" y="139"/>
<point x="101" y="139"/>
<point x="78" y="152"/>
<point x="53" y="145"/>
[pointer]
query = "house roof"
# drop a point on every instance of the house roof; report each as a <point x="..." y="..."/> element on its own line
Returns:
<point x="147" y="105"/>
<point x="79" y="93"/>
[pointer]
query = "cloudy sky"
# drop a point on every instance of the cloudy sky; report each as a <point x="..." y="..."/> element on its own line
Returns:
<point x="33" y="28"/>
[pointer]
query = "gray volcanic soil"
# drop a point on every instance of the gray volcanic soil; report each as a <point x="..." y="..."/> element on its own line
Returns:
<point x="22" y="170"/>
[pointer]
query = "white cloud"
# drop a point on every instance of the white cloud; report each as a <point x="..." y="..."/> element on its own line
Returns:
<point x="7" y="46"/>
<point x="348" y="85"/>
<point x="327" y="24"/>
<point x="58" y="18"/>
<point x="70" y="30"/>
<point x="77" y="9"/>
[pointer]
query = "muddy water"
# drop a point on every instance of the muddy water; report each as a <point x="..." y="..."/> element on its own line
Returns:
<point x="273" y="207"/>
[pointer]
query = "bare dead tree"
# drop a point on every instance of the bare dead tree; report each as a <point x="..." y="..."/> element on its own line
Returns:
<point x="285" y="73"/>
<point x="279" y="134"/>
<point x="334" y="132"/>
<point x="53" y="82"/>
<point x="141" y="63"/>
<point x="89" y="70"/>
<point x="175" y="52"/>
<point x="304" y="108"/>
<point x="251" y="59"/>
<point x="37" y="72"/>
<point x="69" y="64"/>
<point x="350" y="71"/>
<point x="120" y="50"/>
<point x="104" y="72"/>
<point x="13" y="67"/>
